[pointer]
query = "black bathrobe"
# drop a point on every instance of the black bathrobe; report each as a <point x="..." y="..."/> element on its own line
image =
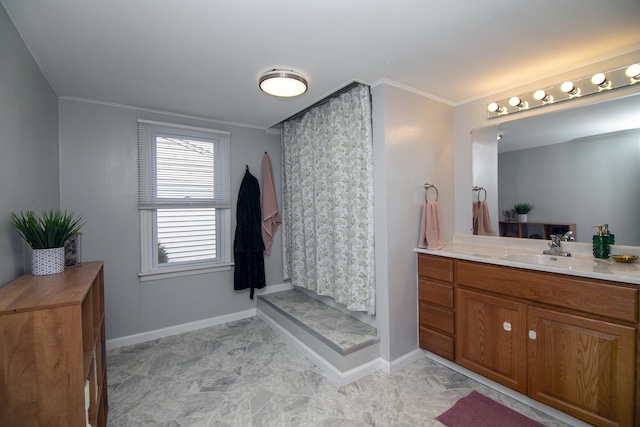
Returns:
<point x="248" y="246"/>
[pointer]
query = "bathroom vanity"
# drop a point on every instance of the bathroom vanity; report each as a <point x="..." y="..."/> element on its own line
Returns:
<point x="563" y="334"/>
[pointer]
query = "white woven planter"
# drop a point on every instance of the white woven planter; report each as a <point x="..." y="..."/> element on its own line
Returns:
<point x="47" y="261"/>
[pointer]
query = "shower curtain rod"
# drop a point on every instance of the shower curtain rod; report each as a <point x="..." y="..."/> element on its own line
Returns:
<point x="324" y="100"/>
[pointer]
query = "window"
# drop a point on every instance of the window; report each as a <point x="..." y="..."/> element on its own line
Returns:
<point x="183" y="198"/>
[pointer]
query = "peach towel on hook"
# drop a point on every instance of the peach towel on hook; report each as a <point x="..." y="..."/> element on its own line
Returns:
<point x="270" y="214"/>
<point x="481" y="221"/>
<point x="430" y="232"/>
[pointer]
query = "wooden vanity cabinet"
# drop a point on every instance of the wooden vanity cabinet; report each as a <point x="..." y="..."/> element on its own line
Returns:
<point x="566" y="341"/>
<point x="569" y="343"/>
<point x="52" y="346"/>
<point x="436" y="305"/>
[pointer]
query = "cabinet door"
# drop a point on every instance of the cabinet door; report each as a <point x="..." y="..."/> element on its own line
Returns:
<point x="491" y="338"/>
<point x="582" y="366"/>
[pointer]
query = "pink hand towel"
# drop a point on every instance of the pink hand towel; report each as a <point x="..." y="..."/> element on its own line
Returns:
<point x="270" y="214"/>
<point x="430" y="233"/>
<point x="422" y="241"/>
<point x="481" y="220"/>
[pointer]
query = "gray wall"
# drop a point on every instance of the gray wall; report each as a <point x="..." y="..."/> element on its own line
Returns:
<point x="587" y="182"/>
<point x="412" y="146"/>
<point x="98" y="176"/>
<point x="28" y="145"/>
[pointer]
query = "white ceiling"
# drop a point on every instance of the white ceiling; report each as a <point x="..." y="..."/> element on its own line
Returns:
<point x="204" y="57"/>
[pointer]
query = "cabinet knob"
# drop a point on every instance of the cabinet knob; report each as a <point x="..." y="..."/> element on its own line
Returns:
<point x="507" y="326"/>
<point x="532" y="335"/>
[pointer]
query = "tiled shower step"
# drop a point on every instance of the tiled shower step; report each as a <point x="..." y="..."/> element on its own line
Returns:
<point x="341" y="332"/>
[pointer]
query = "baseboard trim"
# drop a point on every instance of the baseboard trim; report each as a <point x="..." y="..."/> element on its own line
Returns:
<point x="335" y="376"/>
<point x="401" y="362"/>
<point x="509" y="392"/>
<point x="272" y="289"/>
<point x="178" y="329"/>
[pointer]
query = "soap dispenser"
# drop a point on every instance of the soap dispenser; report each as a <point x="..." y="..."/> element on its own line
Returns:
<point x="610" y="237"/>
<point x="600" y="243"/>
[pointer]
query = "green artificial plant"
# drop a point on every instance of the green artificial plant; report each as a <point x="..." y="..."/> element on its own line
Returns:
<point x="48" y="231"/>
<point x="522" y="208"/>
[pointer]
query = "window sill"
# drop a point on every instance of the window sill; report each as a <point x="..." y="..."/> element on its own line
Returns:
<point x="169" y="273"/>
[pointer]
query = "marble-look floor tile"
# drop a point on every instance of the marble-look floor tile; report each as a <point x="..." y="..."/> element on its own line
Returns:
<point x="341" y="329"/>
<point x="243" y="375"/>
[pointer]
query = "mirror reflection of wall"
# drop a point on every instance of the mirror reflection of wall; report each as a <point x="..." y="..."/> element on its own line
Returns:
<point x="577" y="166"/>
<point x="586" y="182"/>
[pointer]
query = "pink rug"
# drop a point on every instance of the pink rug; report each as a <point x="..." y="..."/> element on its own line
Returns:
<point x="477" y="410"/>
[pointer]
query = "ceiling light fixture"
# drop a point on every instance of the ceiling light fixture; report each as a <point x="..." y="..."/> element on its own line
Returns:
<point x="283" y="83"/>
<point x="595" y="83"/>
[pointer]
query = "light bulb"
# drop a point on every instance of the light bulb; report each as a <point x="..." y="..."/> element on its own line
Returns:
<point x="541" y="95"/>
<point x="494" y="108"/>
<point x="599" y="79"/>
<point x="567" y="87"/>
<point x="633" y="71"/>
<point x="515" y="101"/>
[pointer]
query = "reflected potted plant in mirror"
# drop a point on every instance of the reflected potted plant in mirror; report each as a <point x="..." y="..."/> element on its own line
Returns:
<point x="522" y="209"/>
<point x="47" y="234"/>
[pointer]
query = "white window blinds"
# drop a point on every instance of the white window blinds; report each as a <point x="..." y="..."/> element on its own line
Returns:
<point x="182" y="166"/>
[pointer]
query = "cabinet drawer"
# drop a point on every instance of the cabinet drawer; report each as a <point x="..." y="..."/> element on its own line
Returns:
<point x="437" y="343"/>
<point x="587" y="295"/>
<point x="437" y="318"/>
<point x="435" y="293"/>
<point x="435" y="267"/>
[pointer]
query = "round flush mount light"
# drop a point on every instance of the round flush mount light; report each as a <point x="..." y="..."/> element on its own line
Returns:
<point x="283" y="83"/>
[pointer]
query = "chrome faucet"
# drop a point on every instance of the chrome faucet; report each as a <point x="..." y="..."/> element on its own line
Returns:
<point x="555" y="248"/>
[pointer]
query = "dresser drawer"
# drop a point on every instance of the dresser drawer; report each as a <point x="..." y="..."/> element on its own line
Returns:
<point x="437" y="343"/>
<point x="435" y="293"/>
<point x="435" y="267"/>
<point x="437" y="318"/>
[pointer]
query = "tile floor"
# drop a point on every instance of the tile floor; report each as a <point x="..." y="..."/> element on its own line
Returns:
<point x="243" y="374"/>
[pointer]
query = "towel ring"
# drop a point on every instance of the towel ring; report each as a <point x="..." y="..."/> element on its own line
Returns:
<point x="426" y="191"/>
<point x="479" y="189"/>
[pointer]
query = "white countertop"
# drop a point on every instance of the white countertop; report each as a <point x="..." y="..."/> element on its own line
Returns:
<point x="495" y="250"/>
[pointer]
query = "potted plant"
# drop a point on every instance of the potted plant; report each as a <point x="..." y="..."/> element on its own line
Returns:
<point x="522" y="209"/>
<point x="46" y="234"/>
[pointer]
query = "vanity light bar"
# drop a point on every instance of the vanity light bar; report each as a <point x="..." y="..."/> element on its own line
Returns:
<point x="612" y="79"/>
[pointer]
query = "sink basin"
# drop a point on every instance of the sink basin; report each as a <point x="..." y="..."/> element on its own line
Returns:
<point x="550" y="260"/>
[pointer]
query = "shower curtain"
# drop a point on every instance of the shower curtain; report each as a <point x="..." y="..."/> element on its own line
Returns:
<point x="328" y="200"/>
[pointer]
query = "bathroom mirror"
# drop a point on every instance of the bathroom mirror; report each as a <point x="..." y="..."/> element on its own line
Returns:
<point x="577" y="166"/>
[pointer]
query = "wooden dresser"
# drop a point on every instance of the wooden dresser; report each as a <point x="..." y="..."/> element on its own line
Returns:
<point x="52" y="349"/>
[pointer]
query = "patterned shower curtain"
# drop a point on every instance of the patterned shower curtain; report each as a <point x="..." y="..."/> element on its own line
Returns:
<point x="328" y="200"/>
